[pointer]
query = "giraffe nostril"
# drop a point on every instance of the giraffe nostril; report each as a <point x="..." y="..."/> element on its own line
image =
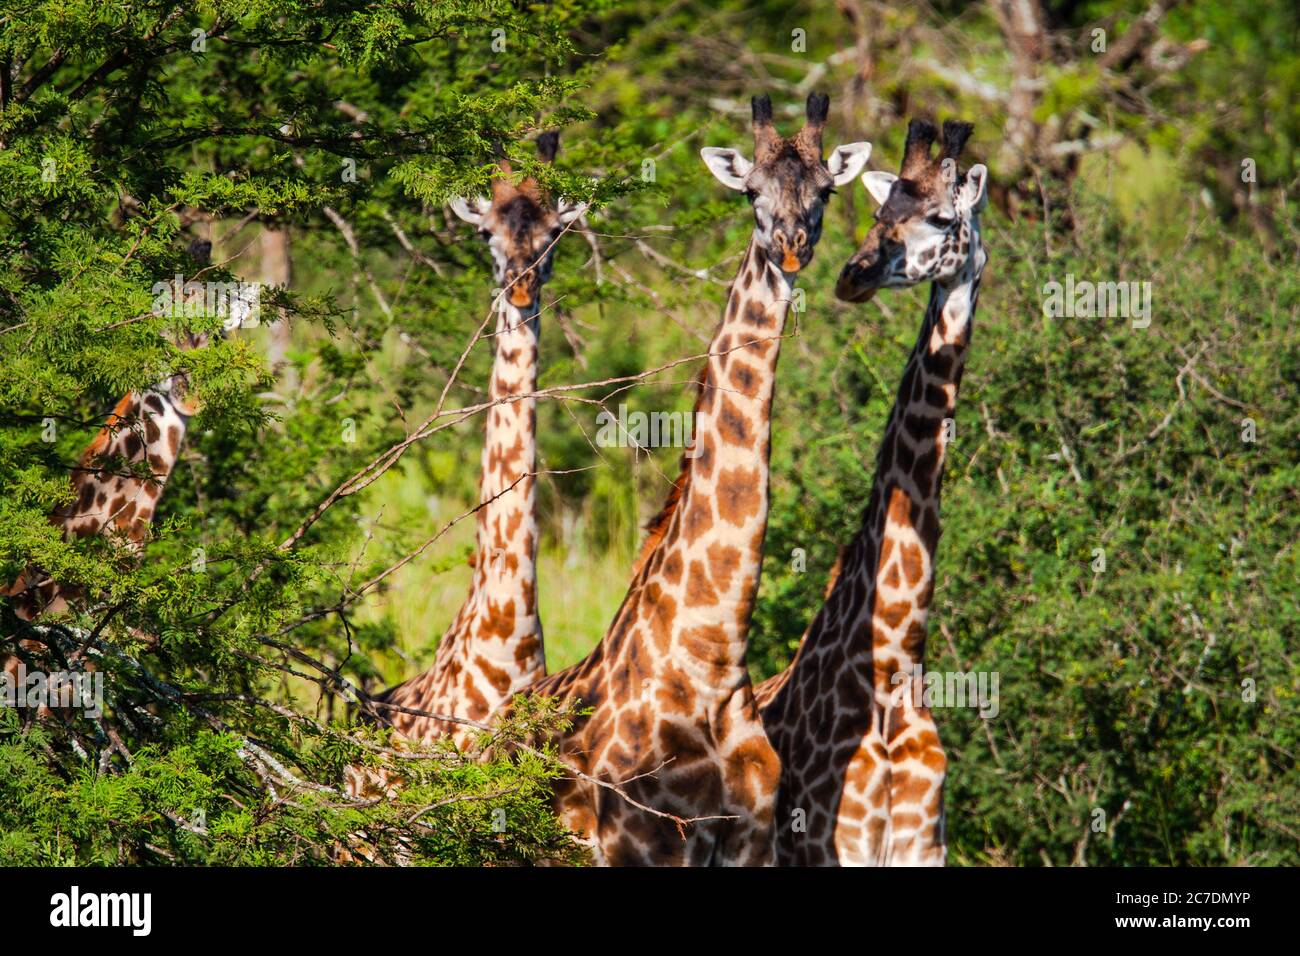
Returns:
<point x="801" y="239"/>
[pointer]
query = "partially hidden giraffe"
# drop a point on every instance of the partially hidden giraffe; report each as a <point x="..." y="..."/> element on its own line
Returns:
<point x="863" y="768"/>
<point x="112" y="493"/>
<point x="493" y="647"/>
<point x="672" y="716"/>
<point x="110" y="496"/>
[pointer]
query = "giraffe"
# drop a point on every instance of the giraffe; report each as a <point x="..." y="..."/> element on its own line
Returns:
<point x="860" y="755"/>
<point x="493" y="647"/>
<point x="113" y="493"/>
<point x="672" y="716"/>
<point x="115" y="500"/>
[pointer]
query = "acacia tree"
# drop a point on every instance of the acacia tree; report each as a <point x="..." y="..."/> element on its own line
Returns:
<point x="126" y="130"/>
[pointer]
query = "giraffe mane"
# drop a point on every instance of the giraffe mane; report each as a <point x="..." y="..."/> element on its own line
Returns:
<point x="836" y="570"/>
<point x="657" y="526"/>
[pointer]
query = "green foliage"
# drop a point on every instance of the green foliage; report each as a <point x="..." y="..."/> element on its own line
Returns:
<point x="202" y="792"/>
<point x="123" y="126"/>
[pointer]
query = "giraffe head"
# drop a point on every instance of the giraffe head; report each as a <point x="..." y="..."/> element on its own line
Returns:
<point x="521" y="225"/>
<point x="928" y="222"/>
<point x="788" y="183"/>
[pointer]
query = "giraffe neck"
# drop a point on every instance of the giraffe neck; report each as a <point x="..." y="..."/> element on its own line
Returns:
<point x="896" y="551"/>
<point x="503" y="597"/>
<point x="145" y="428"/>
<point x="700" y="580"/>
<point x="493" y="647"/>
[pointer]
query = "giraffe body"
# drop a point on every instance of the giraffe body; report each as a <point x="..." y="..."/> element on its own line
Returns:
<point x="109" y="496"/>
<point x="673" y="706"/>
<point x="121" y="475"/>
<point x="863" y="767"/>
<point x="112" y="494"/>
<point x="146" y="427"/>
<point x="493" y="648"/>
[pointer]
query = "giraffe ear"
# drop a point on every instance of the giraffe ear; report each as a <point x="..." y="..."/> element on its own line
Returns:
<point x="974" y="189"/>
<point x="569" y="211"/>
<point x="728" y="166"/>
<point x="471" y="210"/>
<point x="879" y="184"/>
<point x="847" y="161"/>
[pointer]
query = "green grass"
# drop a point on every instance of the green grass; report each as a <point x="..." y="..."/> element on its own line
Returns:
<point x="578" y="596"/>
<point x="579" y="588"/>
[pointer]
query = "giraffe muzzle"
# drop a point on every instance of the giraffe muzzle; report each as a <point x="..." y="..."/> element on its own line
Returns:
<point x="856" y="283"/>
<point x="792" y="248"/>
<point x="522" y="290"/>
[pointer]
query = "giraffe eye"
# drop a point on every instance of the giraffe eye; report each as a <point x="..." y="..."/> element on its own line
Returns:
<point x="940" y="222"/>
<point x="827" y="193"/>
<point x="751" y="194"/>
